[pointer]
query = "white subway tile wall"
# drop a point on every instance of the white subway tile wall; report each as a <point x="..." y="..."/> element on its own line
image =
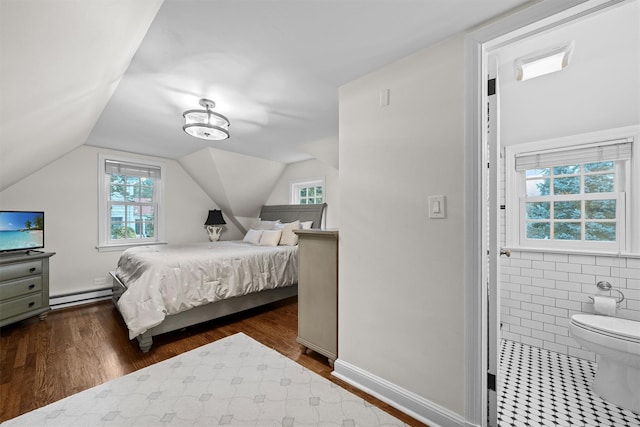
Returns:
<point x="539" y="292"/>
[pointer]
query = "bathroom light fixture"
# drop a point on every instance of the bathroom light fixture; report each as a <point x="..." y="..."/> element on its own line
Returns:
<point x="543" y="62"/>
<point x="206" y="124"/>
<point x="214" y="220"/>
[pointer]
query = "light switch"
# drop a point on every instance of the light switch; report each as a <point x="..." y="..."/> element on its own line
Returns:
<point x="436" y="207"/>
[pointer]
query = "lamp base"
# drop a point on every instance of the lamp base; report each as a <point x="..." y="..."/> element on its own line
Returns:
<point x="214" y="232"/>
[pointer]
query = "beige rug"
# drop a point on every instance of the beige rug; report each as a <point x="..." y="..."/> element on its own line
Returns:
<point x="235" y="381"/>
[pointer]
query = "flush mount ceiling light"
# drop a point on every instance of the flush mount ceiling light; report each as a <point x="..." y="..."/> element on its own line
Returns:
<point x="543" y="62"/>
<point x="206" y="124"/>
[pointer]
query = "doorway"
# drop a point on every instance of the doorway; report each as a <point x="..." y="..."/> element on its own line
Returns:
<point x="486" y="197"/>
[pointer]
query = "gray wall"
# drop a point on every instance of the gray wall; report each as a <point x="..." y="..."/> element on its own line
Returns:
<point x="401" y="291"/>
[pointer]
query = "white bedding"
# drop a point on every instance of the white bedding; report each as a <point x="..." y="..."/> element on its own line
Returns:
<point x="165" y="280"/>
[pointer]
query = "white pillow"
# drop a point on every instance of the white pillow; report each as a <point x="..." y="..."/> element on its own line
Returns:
<point x="259" y="224"/>
<point x="270" y="238"/>
<point x="289" y="238"/>
<point x="306" y="225"/>
<point x="253" y="236"/>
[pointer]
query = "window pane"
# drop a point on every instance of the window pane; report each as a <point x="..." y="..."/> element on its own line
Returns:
<point x="537" y="187"/>
<point x="303" y="192"/>
<point x="117" y="193"/>
<point x="603" y="183"/>
<point x="147" y="229"/>
<point x="538" y="210"/>
<point x="532" y="173"/>
<point x="600" y="231"/>
<point x="133" y="194"/>
<point x="133" y="180"/>
<point x="567" y="210"/>
<point x="538" y="230"/>
<point x="600" y="209"/>
<point x="566" y="170"/>
<point x="311" y="191"/>
<point x="318" y="191"/>
<point x="566" y="185"/>
<point x="117" y="179"/>
<point x="120" y="231"/>
<point x="117" y="213"/>
<point x="598" y="167"/>
<point x="567" y="231"/>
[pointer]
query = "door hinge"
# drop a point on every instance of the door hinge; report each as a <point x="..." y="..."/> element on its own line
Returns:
<point x="491" y="87"/>
<point x="491" y="381"/>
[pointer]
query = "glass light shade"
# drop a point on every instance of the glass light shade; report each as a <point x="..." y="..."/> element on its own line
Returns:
<point x="543" y="62"/>
<point x="206" y="124"/>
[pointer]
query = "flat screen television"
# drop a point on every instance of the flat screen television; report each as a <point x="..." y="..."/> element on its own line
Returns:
<point x="21" y="230"/>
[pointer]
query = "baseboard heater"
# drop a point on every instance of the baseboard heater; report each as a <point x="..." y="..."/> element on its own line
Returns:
<point x="78" y="298"/>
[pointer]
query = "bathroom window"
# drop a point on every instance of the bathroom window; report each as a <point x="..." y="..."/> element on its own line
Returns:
<point x="572" y="197"/>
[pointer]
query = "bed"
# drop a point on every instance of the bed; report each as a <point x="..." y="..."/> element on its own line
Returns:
<point x="158" y="289"/>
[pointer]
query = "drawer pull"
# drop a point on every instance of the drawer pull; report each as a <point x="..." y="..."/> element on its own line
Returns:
<point x="32" y="269"/>
<point x="32" y="303"/>
<point x="31" y="286"/>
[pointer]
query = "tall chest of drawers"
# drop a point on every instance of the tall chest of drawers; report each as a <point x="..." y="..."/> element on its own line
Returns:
<point x="24" y="286"/>
<point x="318" y="292"/>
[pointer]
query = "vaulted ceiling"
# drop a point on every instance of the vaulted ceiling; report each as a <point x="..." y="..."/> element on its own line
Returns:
<point x="118" y="73"/>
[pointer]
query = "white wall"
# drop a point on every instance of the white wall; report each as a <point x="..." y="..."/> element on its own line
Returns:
<point x="401" y="290"/>
<point x="66" y="190"/>
<point x="310" y="169"/>
<point x="599" y="90"/>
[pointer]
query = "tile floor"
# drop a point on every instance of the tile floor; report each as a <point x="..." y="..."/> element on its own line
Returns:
<point x="543" y="388"/>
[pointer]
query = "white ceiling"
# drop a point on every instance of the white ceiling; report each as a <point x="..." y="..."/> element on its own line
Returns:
<point x="272" y="66"/>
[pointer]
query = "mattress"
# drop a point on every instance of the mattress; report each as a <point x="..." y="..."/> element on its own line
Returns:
<point x="166" y="280"/>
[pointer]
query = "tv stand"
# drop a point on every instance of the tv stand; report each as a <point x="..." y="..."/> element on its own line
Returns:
<point x="24" y="286"/>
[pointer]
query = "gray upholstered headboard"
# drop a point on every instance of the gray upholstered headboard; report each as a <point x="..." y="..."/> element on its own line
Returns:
<point x="290" y="213"/>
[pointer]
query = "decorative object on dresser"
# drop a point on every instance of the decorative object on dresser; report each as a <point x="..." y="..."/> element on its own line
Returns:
<point x="214" y="220"/>
<point x="24" y="286"/>
<point x="318" y="292"/>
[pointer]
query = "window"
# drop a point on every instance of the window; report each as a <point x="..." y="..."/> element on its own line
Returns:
<point x="572" y="197"/>
<point x="131" y="207"/>
<point x="308" y="192"/>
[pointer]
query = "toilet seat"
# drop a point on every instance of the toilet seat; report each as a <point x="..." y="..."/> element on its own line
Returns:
<point x="614" y="327"/>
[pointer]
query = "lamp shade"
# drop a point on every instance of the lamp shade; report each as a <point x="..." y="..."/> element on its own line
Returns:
<point x="215" y="218"/>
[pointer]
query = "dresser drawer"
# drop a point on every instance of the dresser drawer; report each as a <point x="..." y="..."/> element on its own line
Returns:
<point x="19" y="287"/>
<point x="20" y="269"/>
<point x="20" y="305"/>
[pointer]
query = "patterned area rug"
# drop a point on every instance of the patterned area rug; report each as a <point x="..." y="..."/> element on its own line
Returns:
<point x="234" y="381"/>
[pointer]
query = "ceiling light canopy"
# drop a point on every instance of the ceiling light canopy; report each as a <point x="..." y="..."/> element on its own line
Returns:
<point x="543" y="62"/>
<point x="206" y="124"/>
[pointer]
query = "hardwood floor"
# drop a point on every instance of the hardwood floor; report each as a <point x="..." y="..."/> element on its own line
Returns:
<point x="78" y="348"/>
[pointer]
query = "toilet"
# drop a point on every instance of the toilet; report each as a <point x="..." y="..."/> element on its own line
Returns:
<point x="617" y="343"/>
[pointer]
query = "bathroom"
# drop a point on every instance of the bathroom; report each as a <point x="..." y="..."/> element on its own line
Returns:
<point x="594" y="98"/>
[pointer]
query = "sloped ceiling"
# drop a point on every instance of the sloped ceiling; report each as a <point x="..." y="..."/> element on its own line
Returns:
<point x="60" y="62"/>
<point x="273" y="67"/>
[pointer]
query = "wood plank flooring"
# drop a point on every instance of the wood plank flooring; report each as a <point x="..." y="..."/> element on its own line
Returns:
<point x="78" y="348"/>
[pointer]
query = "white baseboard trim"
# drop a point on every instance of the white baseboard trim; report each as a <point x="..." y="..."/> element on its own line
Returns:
<point x="410" y="403"/>
<point x="79" y="298"/>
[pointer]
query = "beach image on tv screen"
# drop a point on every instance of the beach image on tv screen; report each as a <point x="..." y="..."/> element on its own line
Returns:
<point x="21" y="230"/>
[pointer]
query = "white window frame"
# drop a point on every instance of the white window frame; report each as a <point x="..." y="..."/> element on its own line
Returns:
<point x="627" y="208"/>
<point x="105" y="243"/>
<point x="296" y="186"/>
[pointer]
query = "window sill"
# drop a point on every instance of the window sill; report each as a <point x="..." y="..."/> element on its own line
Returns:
<point x="123" y="246"/>
<point x="575" y="252"/>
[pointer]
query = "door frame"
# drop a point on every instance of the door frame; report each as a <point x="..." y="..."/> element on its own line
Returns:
<point x="478" y="45"/>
